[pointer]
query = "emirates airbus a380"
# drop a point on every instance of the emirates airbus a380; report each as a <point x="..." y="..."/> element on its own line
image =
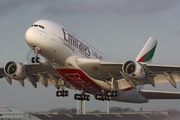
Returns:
<point x="72" y="63"/>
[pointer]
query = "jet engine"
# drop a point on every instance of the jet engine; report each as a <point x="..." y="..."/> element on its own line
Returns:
<point x="15" y="70"/>
<point x="134" y="70"/>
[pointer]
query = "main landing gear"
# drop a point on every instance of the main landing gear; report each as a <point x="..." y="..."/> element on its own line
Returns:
<point x="106" y="95"/>
<point x="82" y="97"/>
<point x="62" y="93"/>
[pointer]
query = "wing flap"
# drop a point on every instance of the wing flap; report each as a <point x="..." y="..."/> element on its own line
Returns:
<point x="122" y="84"/>
<point x="101" y="70"/>
<point x="164" y="79"/>
<point x="159" y="69"/>
<point x="160" y="94"/>
<point x="105" y="70"/>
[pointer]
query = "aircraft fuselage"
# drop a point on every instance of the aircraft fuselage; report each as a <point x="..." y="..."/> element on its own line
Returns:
<point x="61" y="47"/>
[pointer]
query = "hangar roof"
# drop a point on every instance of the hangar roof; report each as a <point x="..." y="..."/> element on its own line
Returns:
<point x="9" y="110"/>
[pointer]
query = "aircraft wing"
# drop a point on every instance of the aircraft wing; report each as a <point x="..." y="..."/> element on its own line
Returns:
<point x="160" y="94"/>
<point x="102" y="70"/>
<point x="105" y="70"/>
<point x="39" y="72"/>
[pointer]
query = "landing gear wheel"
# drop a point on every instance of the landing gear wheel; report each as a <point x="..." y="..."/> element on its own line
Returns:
<point x="103" y="97"/>
<point x="109" y="98"/>
<point x="88" y="97"/>
<point x="37" y="59"/>
<point x="97" y="97"/>
<point x="66" y="93"/>
<point x="33" y="59"/>
<point x="62" y="93"/>
<point x="76" y="96"/>
<point x="106" y="97"/>
<point x="82" y="97"/>
<point x="114" y="93"/>
<point x="58" y="93"/>
<point x="85" y="97"/>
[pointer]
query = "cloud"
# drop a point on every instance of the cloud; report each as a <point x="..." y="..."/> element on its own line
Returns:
<point x="112" y="7"/>
<point x="145" y="6"/>
<point x="176" y="33"/>
<point x="8" y="6"/>
<point x="55" y="7"/>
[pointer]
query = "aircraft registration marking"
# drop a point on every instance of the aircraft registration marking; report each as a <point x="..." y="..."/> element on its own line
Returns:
<point x="80" y="80"/>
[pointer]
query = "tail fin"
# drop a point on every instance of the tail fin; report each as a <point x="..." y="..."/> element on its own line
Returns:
<point x="147" y="52"/>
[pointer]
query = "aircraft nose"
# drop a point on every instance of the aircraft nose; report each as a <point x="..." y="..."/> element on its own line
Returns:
<point x="30" y="37"/>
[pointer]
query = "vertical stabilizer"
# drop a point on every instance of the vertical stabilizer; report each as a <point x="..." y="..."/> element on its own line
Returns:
<point x="147" y="52"/>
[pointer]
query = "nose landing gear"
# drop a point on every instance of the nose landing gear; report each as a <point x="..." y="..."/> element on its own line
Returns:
<point x="36" y="59"/>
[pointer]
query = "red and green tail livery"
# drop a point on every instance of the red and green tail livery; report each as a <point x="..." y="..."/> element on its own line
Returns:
<point x="148" y="56"/>
<point x="147" y="52"/>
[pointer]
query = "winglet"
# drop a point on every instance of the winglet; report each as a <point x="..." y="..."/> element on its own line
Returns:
<point x="147" y="52"/>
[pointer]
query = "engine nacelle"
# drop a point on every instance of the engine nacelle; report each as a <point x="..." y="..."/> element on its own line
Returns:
<point x="15" y="70"/>
<point x="134" y="70"/>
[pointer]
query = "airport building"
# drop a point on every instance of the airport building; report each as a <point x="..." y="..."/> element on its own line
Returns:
<point x="10" y="113"/>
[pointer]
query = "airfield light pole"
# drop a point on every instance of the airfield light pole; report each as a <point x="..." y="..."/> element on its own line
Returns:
<point x="81" y="106"/>
<point x="77" y="106"/>
<point x="84" y="107"/>
<point x="107" y="107"/>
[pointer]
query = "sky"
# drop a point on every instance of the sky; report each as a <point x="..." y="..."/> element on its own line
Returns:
<point x="118" y="29"/>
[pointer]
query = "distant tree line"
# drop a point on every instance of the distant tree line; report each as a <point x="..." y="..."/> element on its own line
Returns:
<point x="63" y="110"/>
<point x="73" y="110"/>
<point x="111" y="110"/>
<point x="120" y="109"/>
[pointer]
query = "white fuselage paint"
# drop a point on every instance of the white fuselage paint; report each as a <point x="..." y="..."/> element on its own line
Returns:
<point x="60" y="46"/>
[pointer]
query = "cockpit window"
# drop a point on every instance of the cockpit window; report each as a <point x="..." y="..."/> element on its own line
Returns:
<point x="41" y="26"/>
<point x="38" y="26"/>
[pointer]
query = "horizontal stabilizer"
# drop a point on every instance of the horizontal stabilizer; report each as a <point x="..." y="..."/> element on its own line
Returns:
<point x="160" y="94"/>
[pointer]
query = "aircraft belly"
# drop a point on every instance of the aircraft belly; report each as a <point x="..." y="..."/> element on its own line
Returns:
<point x="80" y="80"/>
<point x="131" y="96"/>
